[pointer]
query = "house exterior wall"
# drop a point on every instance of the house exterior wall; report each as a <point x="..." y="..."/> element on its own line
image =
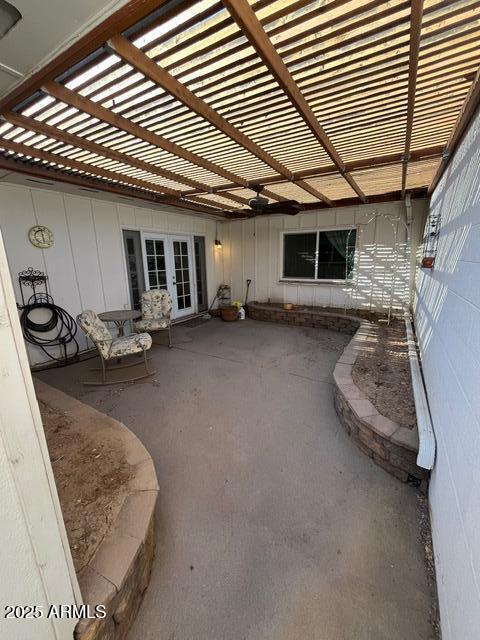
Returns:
<point x="252" y="249"/>
<point x="86" y="265"/>
<point x="448" y="326"/>
<point x="33" y="540"/>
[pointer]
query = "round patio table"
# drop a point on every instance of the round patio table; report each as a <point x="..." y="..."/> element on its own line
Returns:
<point x="120" y="318"/>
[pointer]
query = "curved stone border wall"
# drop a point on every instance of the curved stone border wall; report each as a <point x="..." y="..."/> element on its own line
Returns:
<point x="392" y="447"/>
<point x="303" y="317"/>
<point x="119" y="572"/>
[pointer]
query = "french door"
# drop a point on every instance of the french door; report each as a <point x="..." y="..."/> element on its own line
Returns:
<point x="168" y="264"/>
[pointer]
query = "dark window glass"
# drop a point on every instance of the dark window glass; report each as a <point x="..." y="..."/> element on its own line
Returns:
<point x="335" y="260"/>
<point x="299" y="255"/>
<point x="336" y="252"/>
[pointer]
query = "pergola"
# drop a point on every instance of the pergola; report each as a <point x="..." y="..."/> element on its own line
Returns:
<point x="195" y="103"/>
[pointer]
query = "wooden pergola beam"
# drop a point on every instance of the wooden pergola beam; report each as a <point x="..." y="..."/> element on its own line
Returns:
<point x="123" y="185"/>
<point x="81" y="103"/>
<point x="469" y="108"/>
<point x="142" y="63"/>
<point x="391" y="196"/>
<point x="37" y="126"/>
<point x="49" y="174"/>
<point x="365" y="163"/>
<point x="252" y="29"/>
<point x="415" y="35"/>
<point x="58" y="159"/>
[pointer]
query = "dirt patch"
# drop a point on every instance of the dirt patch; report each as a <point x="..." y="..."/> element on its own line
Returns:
<point x="382" y="372"/>
<point x="427" y="543"/>
<point x="91" y="475"/>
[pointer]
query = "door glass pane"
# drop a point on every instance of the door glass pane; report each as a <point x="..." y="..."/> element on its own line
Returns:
<point x="157" y="278"/>
<point x="182" y="274"/>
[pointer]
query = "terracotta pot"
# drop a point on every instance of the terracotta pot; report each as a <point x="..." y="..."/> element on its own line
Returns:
<point x="229" y="314"/>
<point x="215" y="313"/>
<point x="428" y="262"/>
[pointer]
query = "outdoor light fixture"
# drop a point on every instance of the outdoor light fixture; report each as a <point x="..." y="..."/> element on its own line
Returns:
<point x="218" y="242"/>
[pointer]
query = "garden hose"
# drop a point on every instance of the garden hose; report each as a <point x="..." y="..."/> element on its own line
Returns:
<point x="60" y="322"/>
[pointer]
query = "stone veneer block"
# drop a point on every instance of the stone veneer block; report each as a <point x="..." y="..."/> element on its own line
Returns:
<point x="136" y="513"/>
<point x="351" y="391"/>
<point x="348" y="357"/>
<point x="115" y="556"/>
<point x="362" y="407"/>
<point x="145" y="478"/>
<point x="407" y="438"/>
<point x="95" y="588"/>
<point x="382" y="425"/>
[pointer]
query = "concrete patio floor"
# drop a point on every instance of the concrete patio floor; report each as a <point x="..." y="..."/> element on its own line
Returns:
<point x="271" y="524"/>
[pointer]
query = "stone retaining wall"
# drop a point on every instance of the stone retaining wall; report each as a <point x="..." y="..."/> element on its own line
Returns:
<point x="392" y="447"/>
<point x="303" y="317"/>
<point x="119" y="572"/>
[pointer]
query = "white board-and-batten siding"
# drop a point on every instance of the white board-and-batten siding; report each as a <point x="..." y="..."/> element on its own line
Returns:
<point x="86" y="265"/>
<point x="252" y="250"/>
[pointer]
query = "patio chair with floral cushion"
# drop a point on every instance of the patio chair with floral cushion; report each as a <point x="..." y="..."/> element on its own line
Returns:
<point x="156" y="309"/>
<point x="110" y="348"/>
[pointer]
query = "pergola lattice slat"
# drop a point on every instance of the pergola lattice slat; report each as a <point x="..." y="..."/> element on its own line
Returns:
<point x="101" y="113"/>
<point x="254" y="32"/>
<point x="332" y="103"/>
<point x="139" y="61"/>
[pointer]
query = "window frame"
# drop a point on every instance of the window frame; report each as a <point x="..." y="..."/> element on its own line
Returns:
<point x="315" y="280"/>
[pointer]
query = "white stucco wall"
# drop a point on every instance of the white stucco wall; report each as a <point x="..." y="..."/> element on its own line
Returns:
<point x="252" y="249"/>
<point x="86" y="265"/>
<point x="448" y="325"/>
